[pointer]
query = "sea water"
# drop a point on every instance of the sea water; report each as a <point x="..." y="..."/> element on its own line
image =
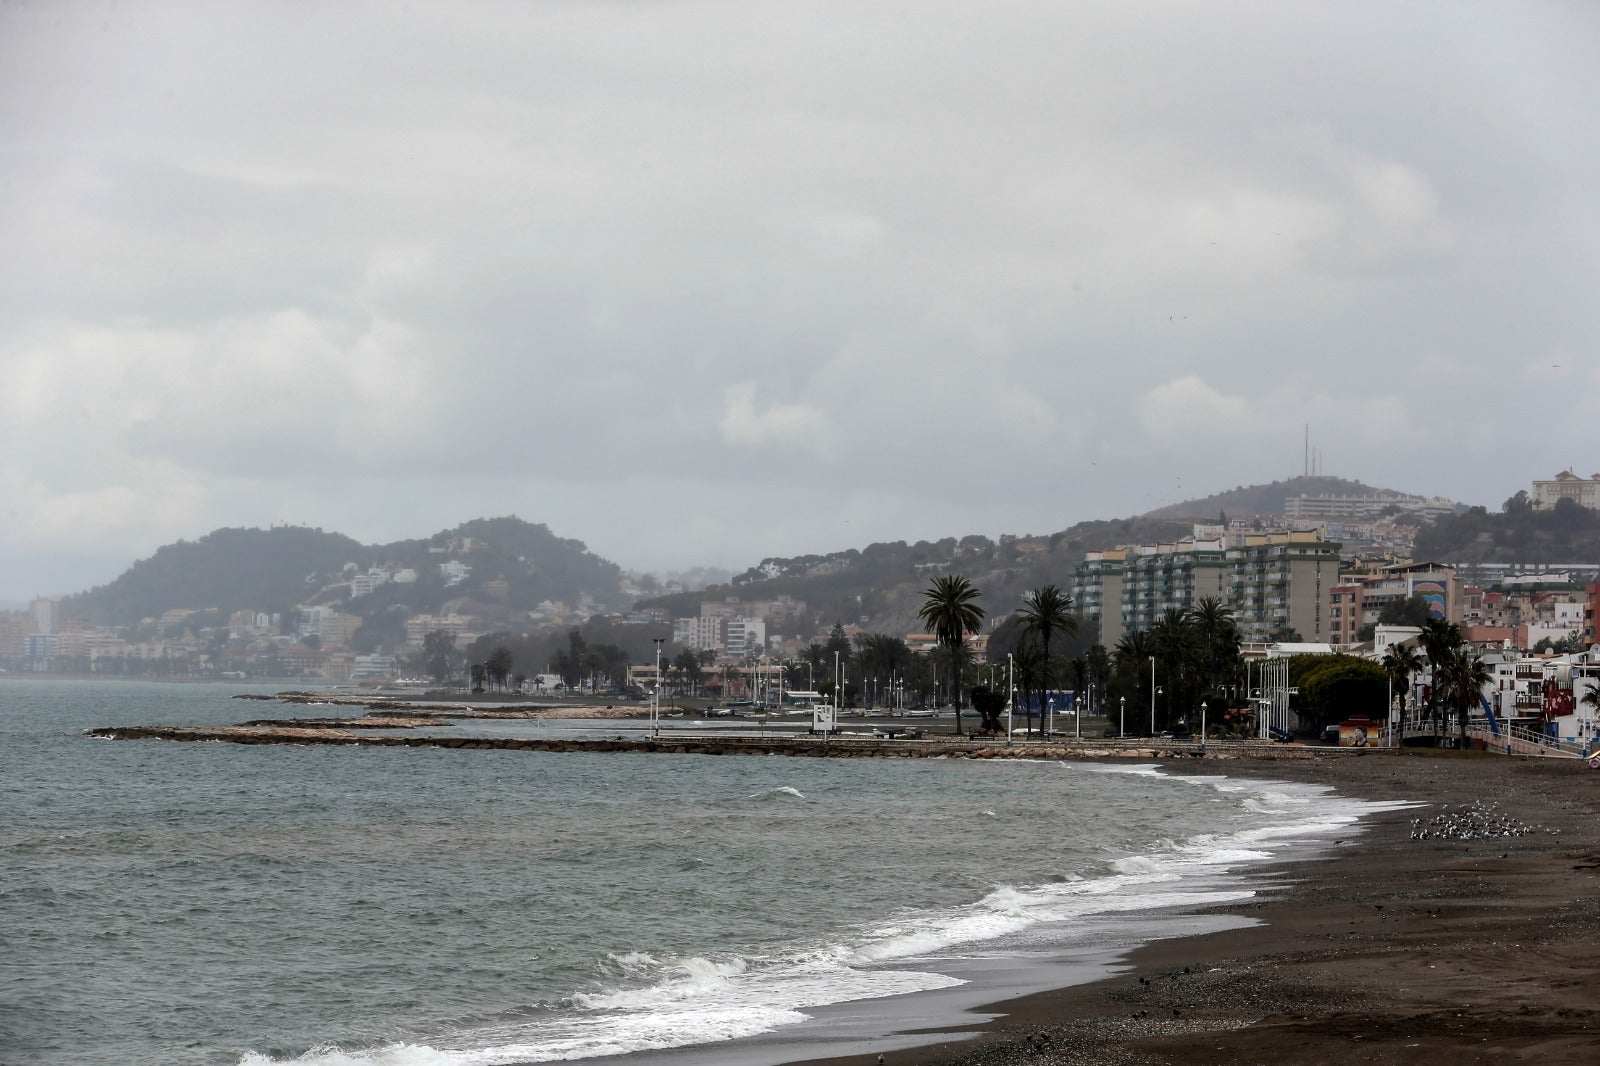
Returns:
<point x="218" y="903"/>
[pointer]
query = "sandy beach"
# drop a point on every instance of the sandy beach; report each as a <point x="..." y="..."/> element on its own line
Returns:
<point x="1463" y="930"/>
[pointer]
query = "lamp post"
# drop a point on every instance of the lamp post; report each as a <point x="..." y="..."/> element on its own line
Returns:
<point x="1011" y="692"/>
<point x="1122" y="720"/>
<point x="1152" y="695"/>
<point x="655" y="704"/>
<point x="1202" y="725"/>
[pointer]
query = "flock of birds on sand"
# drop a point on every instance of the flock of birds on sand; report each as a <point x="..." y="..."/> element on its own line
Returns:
<point x="1479" y="821"/>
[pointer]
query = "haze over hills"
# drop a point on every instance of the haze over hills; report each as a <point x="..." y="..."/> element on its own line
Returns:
<point x="503" y="569"/>
<point x="1268" y="499"/>
<point x="501" y="561"/>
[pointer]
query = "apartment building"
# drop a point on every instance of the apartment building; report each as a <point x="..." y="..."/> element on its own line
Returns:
<point x="1359" y="598"/>
<point x="1270" y="579"/>
<point x="746" y="637"/>
<point x="702" y="633"/>
<point x="1282" y="579"/>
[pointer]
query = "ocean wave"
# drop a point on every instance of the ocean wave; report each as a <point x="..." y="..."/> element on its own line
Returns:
<point x="655" y="1001"/>
<point x="781" y="792"/>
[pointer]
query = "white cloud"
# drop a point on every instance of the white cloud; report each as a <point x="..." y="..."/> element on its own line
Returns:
<point x="1185" y="404"/>
<point x="785" y="426"/>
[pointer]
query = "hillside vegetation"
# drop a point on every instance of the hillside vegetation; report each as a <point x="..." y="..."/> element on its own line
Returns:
<point x="880" y="587"/>
<point x="1266" y="499"/>
<point x="274" y="570"/>
<point x="1567" y="533"/>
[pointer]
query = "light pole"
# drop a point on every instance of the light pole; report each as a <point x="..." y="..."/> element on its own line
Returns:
<point x="1152" y="695"/>
<point x="1202" y="725"/>
<point x="1122" y="721"/>
<point x="655" y="704"/>
<point x="1011" y="692"/>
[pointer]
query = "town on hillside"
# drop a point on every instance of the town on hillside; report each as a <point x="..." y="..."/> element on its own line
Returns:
<point x="1329" y="575"/>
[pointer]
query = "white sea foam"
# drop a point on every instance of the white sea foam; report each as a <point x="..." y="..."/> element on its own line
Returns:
<point x="661" y="1003"/>
<point x="781" y="792"/>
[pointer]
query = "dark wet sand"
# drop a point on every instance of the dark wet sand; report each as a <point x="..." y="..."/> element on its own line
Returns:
<point x="1392" y="950"/>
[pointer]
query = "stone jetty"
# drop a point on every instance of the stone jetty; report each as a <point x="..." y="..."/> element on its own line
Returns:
<point x="354" y="733"/>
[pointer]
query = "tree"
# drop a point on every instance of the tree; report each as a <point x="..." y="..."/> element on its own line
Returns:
<point x="879" y="655"/>
<point x="687" y="665"/>
<point x="950" y="609"/>
<point x="1342" y="686"/>
<point x="1178" y="648"/>
<point x="1028" y="662"/>
<point x="1045" y="613"/>
<point x="1439" y="640"/>
<point x="988" y="703"/>
<point x="498" y="666"/>
<point x="573" y="661"/>
<point x="1465" y="675"/>
<point x="478" y="674"/>
<point x="439" y="655"/>
<point x="1130" y="676"/>
<point x="838" y="644"/>
<point x="1401" y="662"/>
<point x="1411" y="611"/>
<point x="1220" y="642"/>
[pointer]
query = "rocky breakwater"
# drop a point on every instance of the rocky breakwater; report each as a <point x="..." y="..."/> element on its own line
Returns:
<point x="347" y="733"/>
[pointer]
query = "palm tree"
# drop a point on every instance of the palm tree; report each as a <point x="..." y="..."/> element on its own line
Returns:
<point x="1464" y="678"/>
<point x="880" y="655"/>
<point x="1439" y="641"/>
<point x="1176" y="644"/>
<point x="498" y="666"/>
<point x="950" y="609"/>
<point x="1029" y="662"/>
<point x="1046" y="612"/>
<point x="1401" y="662"/>
<point x="1134" y="649"/>
<point x="1219" y="634"/>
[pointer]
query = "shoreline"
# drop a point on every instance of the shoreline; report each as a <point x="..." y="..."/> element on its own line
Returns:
<point x="1390" y="948"/>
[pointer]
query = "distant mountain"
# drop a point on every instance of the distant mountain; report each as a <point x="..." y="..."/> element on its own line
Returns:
<point x="1266" y="499"/>
<point x="509" y="564"/>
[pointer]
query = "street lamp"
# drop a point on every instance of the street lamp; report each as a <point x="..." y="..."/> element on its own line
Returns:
<point x="655" y="703"/>
<point x="1011" y="692"/>
<point x="1152" y="695"/>
<point x="1122" y="721"/>
<point x="1202" y="725"/>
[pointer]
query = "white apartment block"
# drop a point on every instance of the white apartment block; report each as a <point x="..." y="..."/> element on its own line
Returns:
<point x="701" y="634"/>
<point x="746" y="636"/>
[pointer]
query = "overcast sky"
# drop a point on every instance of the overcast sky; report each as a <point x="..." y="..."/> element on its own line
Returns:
<point x="699" y="283"/>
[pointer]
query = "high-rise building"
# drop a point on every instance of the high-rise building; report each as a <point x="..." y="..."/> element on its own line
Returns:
<point x="1280" y="581"/>
<point x="1129" y="588"/>
<point x="1273" y="581"/>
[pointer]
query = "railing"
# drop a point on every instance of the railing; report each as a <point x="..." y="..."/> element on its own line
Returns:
<point x="1516" y="739"/>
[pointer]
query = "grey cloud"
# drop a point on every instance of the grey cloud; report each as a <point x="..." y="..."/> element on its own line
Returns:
<point x="942" y="268"/>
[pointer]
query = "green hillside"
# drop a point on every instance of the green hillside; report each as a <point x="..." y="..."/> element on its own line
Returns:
<point x="227" y="570"/>
<point x="512" y="565"/>
<point x="1567" y="533"/>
